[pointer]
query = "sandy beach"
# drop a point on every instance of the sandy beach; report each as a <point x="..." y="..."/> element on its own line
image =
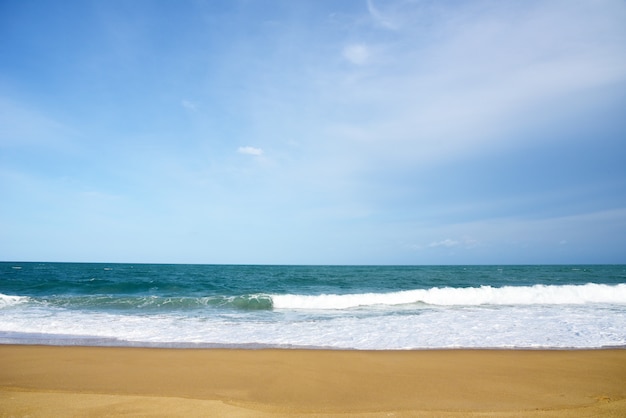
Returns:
<point x="42" y="381"/>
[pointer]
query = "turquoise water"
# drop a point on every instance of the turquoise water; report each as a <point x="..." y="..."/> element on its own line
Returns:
<point x="351" y="307"/>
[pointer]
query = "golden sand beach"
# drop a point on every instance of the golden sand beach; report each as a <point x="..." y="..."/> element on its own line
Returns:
<point x="51" y="381"/>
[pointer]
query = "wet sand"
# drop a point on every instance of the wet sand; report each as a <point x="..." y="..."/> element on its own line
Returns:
<point x="47" y="381"/>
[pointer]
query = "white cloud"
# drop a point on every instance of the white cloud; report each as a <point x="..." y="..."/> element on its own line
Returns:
<point x="379" y="18"/>
<point x="389" y="107"/>
<point x="473" y="75"/>
<point x="189" y="105"/>
<point x="466" y="242"/>
<point x="356" y="53"/>
<point x="444" y="243"/>
<point x="248" y="150"/>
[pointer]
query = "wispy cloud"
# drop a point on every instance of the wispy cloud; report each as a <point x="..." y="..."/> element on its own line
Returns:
<point x="449" y="243"/>
<point x="26" y="126"/>
<point x="444" y="243"/>
<point x="444" y="125"/>
<point x="474" y="75"/>
<point x="189" y="105"/>
<point x="248" y="150"/>
<point x="380" y="18"/>
<point x="356" y="53"/>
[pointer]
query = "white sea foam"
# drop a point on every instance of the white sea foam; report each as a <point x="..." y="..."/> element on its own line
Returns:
<point x="472" y="296"/>
<point x="529" y="326"/>
<point x="8" y="300"/>
<point x="585" y="316"/>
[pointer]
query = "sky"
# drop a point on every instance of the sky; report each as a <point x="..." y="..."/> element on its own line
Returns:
<point x="313" y="131"/>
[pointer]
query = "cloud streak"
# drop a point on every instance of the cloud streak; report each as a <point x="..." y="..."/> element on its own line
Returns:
<point x="357" y="54"/>
<point x="485" y="77"/>
<point x="248" y="150"/>
<point x="379" y="18"/>
<point x="189" y="105"/>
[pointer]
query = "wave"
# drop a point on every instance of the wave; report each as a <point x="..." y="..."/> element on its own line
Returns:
<point x="8" y="300"/>
<point x="437" y="296"/>
<point x="471" y="296"/>
<point x="145" y="303"/>
<point x="151" y="303"/>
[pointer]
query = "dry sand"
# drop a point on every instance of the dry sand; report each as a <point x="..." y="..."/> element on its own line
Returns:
<point x="47" y="381"/>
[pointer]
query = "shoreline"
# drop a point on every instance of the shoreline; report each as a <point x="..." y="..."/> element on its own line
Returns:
<point x="14" y="342"/>
<point x="40" y="380"/>
<point x="12" y="338"/>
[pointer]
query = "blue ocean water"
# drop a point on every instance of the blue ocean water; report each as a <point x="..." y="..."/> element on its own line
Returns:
<point x="342" y="307"/>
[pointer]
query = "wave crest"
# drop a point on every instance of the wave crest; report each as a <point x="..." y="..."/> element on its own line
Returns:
<point x="149" y="303"/>
<point x="8" y="300"/>
<point x="471" y="296"/>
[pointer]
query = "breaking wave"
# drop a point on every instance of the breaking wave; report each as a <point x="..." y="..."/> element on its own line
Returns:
<point x="447" y="296"/>
<point x="8" y="300"/>
<point x="438" y="296"/>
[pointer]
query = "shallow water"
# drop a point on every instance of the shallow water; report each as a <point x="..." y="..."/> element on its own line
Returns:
<point x="348" y="307"/>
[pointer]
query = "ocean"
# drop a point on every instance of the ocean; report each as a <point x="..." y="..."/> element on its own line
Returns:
<point x="331" y="307"/>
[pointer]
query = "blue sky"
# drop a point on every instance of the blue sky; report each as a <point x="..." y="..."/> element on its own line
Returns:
<point x="313" y="132"/>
